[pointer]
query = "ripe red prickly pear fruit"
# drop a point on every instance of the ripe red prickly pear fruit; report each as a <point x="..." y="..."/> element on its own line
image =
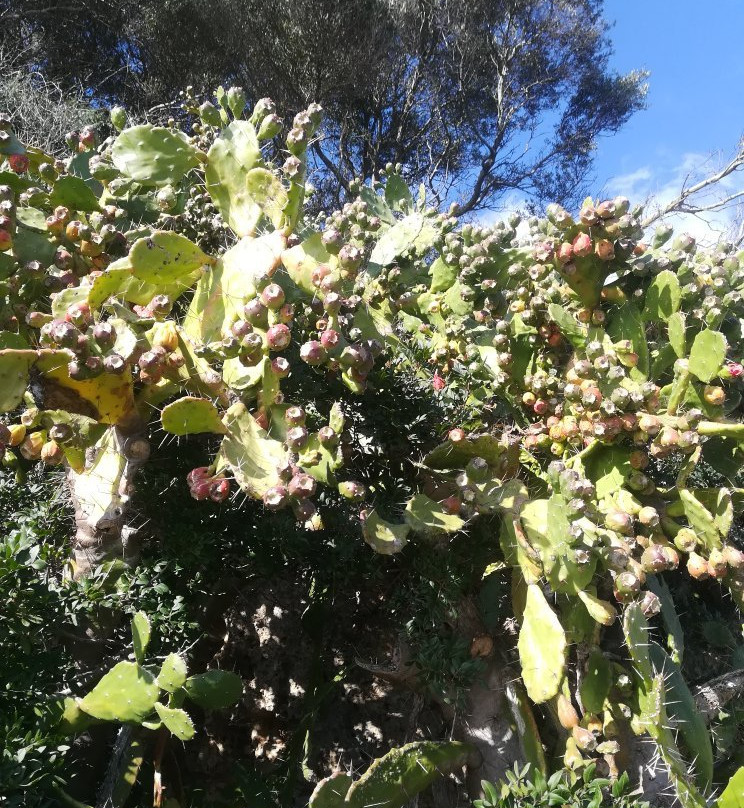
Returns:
<point x="198" y="475"/>
<point x="276" y="497"/>
<point x="18" y="163"/>
<point x="219" y="490"/>
<point x="302" y="486"/>
<point x="452" y="505"/>
<point x="313" y="353"/>
<point x="278" y="337"/>
<point x="582" y="245"/>
<point x="717" y="566"/>
<point x="456" y="435"/>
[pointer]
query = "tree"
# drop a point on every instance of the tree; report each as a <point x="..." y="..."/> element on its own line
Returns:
<point x="474" y="100"/>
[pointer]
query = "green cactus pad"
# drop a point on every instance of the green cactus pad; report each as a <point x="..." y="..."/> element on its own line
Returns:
<point x="707" y="354"/>
<point x="423" y="515"/>
<point x="232" y="156"/>
<point x="214" y="689"/>
<point x="141" y="631"/>
<point x="596" y="682"/>
<point x="574" y="331"/>
<point x="221" y="293"/>
<point x="267" y="191"/>
<point x="177" y="721"/>
<point x="636" y="628"/>
<point x="415" y="232"/>
<point x="376" y="205"/>
<point x="397" y="195"/>
<point x="449" y="455"/>
<point x="153" y="155"/>
<point x="172" y="673"/>
<point x="627" y="323"/>
<point x="542" y="647"/>
<point x="733" y="795"/>
<point x="701" y="520"/>
<point x="189" y="416"/>
<point x="66" y="298"/>
<point x="165" y="257"/>
<point x="443" y="275"/>
<point x="331" y="792"/>
<point x="30" y="245"/>
<point x="384" y="537"/>
<point x="676" y="326"/>
<point x="663" y="297"/>
<point x="14" y="374"/>
<point x="73" y="193"/>
<point x="249" y="453"/>
<point x="301" y="260"/>
<point x="74" y="720"/>
<point x="126" y="693"/>
<point x="394" y="779"/>
<point x="608" y="468"/>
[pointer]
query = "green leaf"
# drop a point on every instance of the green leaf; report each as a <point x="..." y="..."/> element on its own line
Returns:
<point x="424" y="515"/>
<point x="140" y="635"/>
<point x="190" y="416"/>
<point x="596" y="683"/>
<point x="153" y="155"/>
<point x="384" y="537"/>
<point x="214" y="689"/>
<point x="172" y="673"/>
<point x="397" y="194"/>
<point x="176" y="720"/>
<point x="126" y="693"/>
<point x="707" y="354"/>
<point x="663" y="297"/>
<point x="73" y="193"/>
<point x="542" y="647"/>
<point x="701" y="520"/>
<point x="165" y="257"/>
<point x="677" y="334"/>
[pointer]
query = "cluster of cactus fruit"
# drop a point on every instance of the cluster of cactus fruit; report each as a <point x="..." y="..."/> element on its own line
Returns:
<point x="158" y="271"/>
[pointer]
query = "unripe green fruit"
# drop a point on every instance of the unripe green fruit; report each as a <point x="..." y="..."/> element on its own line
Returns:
<point x="352" y="490"/>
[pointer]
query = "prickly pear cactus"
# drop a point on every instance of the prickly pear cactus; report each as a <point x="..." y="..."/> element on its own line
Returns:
<point x="158" y="280"/>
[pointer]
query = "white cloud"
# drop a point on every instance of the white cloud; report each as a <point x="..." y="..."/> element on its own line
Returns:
<point x="658" y="186"/>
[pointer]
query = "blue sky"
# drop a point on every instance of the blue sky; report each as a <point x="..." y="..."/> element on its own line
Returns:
<point x="693" y="49"/>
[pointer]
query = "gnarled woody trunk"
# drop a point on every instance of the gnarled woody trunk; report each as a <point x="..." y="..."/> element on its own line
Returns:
<point x="101" y="496"/>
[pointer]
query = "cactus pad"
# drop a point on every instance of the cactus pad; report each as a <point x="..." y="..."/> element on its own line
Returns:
<point x="141" y="631"/>
<point x="176" y="720"/>
<point x="423" y="515"/>
<point x="331" y="792"/>
<point x="126" y="693"/>
<point x="230" y="159"/>
<point x="542" y="647"/>
<point x="214" y="689"/>
<point x="14" y="373"/>
<point x="394" y="779"/>
<point x="384" y="537"/>
<point x="172" y="673"/>
<point x="707" y="354"/>
<point x="153" y="155"/>
<point x="189" y="415"/>
<point x="252" y="456"/>
<point x="164" y="258"/>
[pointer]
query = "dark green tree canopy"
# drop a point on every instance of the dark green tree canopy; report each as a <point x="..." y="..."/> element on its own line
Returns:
<point x="474" y="99"/>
